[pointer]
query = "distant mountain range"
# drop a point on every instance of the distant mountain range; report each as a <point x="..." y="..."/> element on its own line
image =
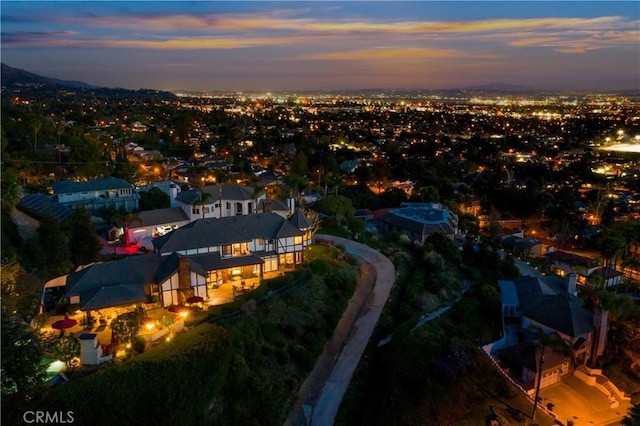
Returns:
<point x="15" y="79"/>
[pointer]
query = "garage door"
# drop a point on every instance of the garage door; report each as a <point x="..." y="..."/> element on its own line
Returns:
<point x="550" y="378"/>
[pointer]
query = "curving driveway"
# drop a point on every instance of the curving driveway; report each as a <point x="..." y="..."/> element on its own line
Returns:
<point x="321" y="393"/>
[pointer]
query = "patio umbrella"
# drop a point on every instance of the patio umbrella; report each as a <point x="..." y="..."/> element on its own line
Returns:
<point x="195" y="299"/>
<point x="63" y="324"/>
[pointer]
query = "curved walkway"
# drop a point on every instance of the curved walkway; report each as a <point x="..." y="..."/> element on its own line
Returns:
<point x="321" y="393"/>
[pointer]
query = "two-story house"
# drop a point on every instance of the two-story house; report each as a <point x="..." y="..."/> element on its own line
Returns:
<point x="194" y="259"/>
<point x="223" y="200"/>
<point x="585" y="268"/>
<point x="549" y="305"/>
<point x="97" y="194"/>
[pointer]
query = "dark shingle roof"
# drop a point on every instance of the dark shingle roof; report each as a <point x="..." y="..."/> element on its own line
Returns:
<point x="113" y="283"/>
<point x="228" y="192"/>
<point x="69" y="186"/>
<point x="560" y="311"/>
<point x="39" y="205"/>
<point x="227" y="230"/>
<point x="160" y="217"/>
<point x="300" y="220"/>
<point x="212" y="261"/>
<point x="171" y="264"/>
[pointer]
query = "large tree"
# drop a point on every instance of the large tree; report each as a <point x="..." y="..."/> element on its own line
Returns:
<point x="22" y="368"/>
<point x="84" y="245"/>
<point x="338" y="207"/>
<point x="53" y="248"/>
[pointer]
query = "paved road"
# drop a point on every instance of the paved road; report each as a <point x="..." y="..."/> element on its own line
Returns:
<point x="321" y="393"/>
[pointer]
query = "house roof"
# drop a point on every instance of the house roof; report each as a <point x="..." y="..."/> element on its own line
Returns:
<point x="171" y="264"/>
<point x="274" y="205"/>
<point x="563" y="312"/>
<point x="424" y="219"/>
<point x="113" y="283"/>
<point x="212" y="261"/>
<point x="69" y="186"/>
<point x="572" y="259"/>
<point x="160" y="217"/>
<point x="226" y="230"/>
<point x="39" y="205"/>
<point x="218" y="192"/>
<point x="544" y="303"/>
<point x="517" y="242"/>
<point x="508" y="294"/>
<point x="527" y="355"/>
<point x="300" y="220"/>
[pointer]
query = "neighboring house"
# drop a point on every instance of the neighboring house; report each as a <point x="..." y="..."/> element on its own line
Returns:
<point x="192" y="259"/>
<point x="170" y="187"/>
<point x="419" y="220"/>
<point x="527" y="247"/>
<point x="565" y="263"/>
<point x="97" y="194"/>
<point x="610" y="276"/>
<point x="39" y="205"/>
<point x="155" y="223"/>
<point x="522" y="361"/>
<point x="222" y="201"/>
<point x="551" y="306"/>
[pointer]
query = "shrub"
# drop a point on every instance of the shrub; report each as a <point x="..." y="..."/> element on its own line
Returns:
<point x="138" y="344"/>
<point x="270" y="332"/>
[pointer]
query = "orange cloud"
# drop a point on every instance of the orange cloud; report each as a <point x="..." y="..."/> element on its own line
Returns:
<point x="383" y="53"/>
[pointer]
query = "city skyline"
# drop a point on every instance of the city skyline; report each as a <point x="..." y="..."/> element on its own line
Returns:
<point x="268" y="46"/>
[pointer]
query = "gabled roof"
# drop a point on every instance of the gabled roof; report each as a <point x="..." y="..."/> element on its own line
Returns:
<point x="114" y="283"/>
<point x="212" y="261"/>
<point x="226" y="230"/>
<point x="171" y="264"/>
<point x="39" y="205"/>
<point x="218" y="192"/>
<point x="69" y="186"/>
<point x="300" y="220"/>
<point x="562" y="312"/>
<point x="160" y="217"/>
<point x="274" y="205"/>
<point x="527" y="354"/>
<point x="550" y="306"/>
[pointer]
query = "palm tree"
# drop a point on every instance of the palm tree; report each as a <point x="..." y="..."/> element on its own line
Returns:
<point x="37" y="125"/>
<point x="332" y="179"/>
<point x="126" y="218"/>
<point x="203" y="198"/>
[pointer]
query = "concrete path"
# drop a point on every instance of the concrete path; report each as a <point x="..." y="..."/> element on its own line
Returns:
<point x="321" y="393"/>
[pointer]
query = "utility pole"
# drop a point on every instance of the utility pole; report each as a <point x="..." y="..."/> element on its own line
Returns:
<point x="535" y="400"/>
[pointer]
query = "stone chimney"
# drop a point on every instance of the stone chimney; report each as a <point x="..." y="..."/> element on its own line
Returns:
<point x="601" y="331"/>
<point x="184" y="274"/>
<point x="266" y="206"/>
<point x="572" y="278"/>
<point x="173" y="193"/>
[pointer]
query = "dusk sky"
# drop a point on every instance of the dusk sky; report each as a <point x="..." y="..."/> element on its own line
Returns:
<point x="271" y="46"/>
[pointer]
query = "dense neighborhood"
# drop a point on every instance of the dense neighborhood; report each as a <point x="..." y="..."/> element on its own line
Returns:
<point x="136" y="220"/>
